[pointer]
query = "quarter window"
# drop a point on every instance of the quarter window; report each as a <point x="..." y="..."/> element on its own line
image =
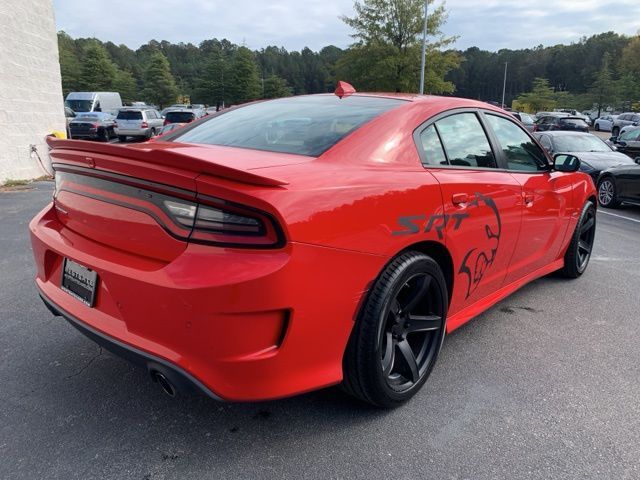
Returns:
<point x="465" y="141"/>
<point x="519" y="150"/>
<point x="433" y="151"/>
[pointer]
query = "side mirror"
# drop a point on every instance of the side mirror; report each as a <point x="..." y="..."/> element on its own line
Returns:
<point x="563" y="162"/>
<point x="622" y="144"/>
<point x="613" y="139"/>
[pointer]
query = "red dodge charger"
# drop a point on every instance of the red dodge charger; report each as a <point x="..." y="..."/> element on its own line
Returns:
<point x="288" y="245"/>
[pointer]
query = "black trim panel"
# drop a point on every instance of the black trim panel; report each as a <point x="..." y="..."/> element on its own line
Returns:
<point x="181" y="380"/>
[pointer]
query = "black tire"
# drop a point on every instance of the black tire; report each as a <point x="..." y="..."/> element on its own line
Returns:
<point x="122" y="138"/>
<point x="608" y="193"/>
<point x="391" y="352"/>
<point x="576" y="259"/>
<point x="103" y="135"/>
<point x="597" y="127"/>
<point x="615" y="131"/>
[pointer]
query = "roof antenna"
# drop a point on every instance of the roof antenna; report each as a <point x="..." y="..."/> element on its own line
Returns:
<point x="344" y="89"/>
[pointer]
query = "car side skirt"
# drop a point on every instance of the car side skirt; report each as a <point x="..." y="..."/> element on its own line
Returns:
<point x="475" y="309"/>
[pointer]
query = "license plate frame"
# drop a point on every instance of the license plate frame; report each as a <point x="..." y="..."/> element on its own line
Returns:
<point x="79" y="281"/>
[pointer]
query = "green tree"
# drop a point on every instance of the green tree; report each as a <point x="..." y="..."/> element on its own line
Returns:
<point x="603" y="88"/>
<point x="386" y="55"/>
<point x="125" y="84"/>
<point x="159" y="84"/>
<point x="541" y="97"/>
<point x="98" y="71"/>
<point x="70" y="68"/>
<point x="211" y="86"/>
<point x="628" y="91"/>
<point x="276" y="87"/>
<point x="630" y="58"/>
<point x="245" y="81"/>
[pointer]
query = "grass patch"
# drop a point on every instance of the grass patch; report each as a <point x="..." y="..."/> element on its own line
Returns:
<point x="15" y="183"/>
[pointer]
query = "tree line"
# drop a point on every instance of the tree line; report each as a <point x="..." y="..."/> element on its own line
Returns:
<point x="603" y="69"/>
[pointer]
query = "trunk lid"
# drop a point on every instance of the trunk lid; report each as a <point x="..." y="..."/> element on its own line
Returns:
<point x="117" y="195"/>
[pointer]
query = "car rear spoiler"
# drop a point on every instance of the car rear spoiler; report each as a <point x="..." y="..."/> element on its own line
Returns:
<point x="167" y="157"/>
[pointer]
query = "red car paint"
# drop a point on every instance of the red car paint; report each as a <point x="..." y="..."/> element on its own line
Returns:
<point x="263" y="323"/>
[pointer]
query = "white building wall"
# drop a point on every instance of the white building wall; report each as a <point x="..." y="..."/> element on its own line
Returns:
<point x="31" y="103"/>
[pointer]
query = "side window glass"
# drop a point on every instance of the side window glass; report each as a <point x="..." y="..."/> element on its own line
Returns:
<point x="432" y="148"/>
<point x="520" y="151"/>
<point x="465" y="142"/>
<point x="545" y="142"/>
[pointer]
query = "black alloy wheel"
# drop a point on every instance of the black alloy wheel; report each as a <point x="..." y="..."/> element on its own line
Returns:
<point x="607" y="193"/>
<point x="579" y="252"/>
<point x="398" y="334"/>
<point x="409" y="337"/>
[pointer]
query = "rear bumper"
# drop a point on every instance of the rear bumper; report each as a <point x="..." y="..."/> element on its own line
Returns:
<point x="181" y="380"/>
<point x="241" y="325"/>
<point x="133" y="132"/>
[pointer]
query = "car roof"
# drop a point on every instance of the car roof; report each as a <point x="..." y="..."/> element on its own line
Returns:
<point x="178" y="110"/>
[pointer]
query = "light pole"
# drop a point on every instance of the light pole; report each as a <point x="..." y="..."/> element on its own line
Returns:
<point x="424" y="46"/>
<point x="504" y="85"/>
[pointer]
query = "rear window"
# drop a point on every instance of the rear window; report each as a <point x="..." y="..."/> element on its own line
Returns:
<point x="129" y="115"/>
<point x="574" y="121"/>
<point x="307" y="125"/>
<point x="179" y="117"/>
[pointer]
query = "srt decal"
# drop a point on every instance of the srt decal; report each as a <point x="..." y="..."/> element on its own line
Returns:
<point x="480" y="258"/>
<point x="413" y="224"/>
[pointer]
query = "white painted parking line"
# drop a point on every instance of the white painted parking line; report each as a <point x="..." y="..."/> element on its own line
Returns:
<point x="619" y="216"/>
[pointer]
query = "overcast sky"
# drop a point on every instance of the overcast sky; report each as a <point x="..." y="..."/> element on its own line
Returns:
<point x="294" y="24"/>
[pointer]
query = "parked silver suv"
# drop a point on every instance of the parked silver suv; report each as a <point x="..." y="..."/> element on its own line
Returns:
<point x="628" y="118"/>
<point x="137" y="122"/>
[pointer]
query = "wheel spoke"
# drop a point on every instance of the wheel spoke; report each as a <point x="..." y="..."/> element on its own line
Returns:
<point x="394" y="310"/>
<point x="410" y="359"/>
<point x="419" y="323"/>
<point x="418" y="292"/>
<point x="584" y="246"/>
<point x="389" y="355"/>
<point x="587" y="225"/>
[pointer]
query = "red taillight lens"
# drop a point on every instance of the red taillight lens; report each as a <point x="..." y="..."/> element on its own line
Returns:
<point x="144" y="125"/>
<point x="166" y="122"/>
<point x="225" y="224"/>
<point x="95" y="125"/>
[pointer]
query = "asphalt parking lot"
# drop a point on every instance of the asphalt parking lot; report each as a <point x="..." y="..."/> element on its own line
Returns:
<point x="544" y="385"/>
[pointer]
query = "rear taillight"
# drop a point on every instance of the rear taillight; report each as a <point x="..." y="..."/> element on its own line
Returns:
<point x="115" y="124"/>
<point x="95" y="125"/>
<point x="166" y="122"/>
<point x="144" y="125"/>
<point x="218" y="222"/>
<point x="535" y="128"/>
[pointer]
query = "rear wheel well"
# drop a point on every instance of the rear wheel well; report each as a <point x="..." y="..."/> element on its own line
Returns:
<point x="441" y="255"/>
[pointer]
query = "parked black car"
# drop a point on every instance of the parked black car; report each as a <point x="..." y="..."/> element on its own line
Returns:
<point x="556" y="122"/>
<point x="594" y="154"/>
<point x="628" y="142"/>
<point x="92" y="126"/>
<point x="619" y="184"/>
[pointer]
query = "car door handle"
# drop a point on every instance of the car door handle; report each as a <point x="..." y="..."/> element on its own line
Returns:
<point x="459" y="198"/>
